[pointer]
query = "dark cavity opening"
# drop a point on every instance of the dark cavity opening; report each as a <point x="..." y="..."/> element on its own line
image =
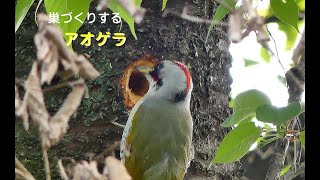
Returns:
<point x="138" y="83"/>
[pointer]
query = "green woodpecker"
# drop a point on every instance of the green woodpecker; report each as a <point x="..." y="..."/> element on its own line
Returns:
<point x="157" y="141"/>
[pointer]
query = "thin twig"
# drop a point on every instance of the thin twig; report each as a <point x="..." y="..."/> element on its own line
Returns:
<point x="100" y="156"/>
<point x="63" y="173"/>
<point x="22" y="174"/>
<point x="277" y="54"/>
<point x="118" y="124"/>
<point x="292" y="174"/>
<point x="20" y="82"/>
<point x="55" y="87"/>
<point x="35" y="13"/>
<point x="299" y="50"/>
<point x="46" y="163"/>
<point x="20" y="168"/>
<point x="185" y="16"/>
<point x="225" y="4"/>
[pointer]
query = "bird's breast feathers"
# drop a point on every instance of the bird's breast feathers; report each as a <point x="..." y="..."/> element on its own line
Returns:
<point x="157" y="138"/>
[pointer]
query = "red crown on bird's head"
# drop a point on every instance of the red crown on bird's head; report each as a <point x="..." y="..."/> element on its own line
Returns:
<point x="186" y="71"/>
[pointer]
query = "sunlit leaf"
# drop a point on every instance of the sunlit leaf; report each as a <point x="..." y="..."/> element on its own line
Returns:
<point x="291" y="34"/>
<point x="237" y="143"/>
<point x="249" y="62"/>
<point x="262" y="141"/>
<point x="230" y="121"/>
<point x="247" y="102"/>
<point x="277" y="116"/>
<point x="285" y="170"/>
<point x="231" y="103"/>
<point x="164" y="3"/>
<point x="221" y="12"/>
<point x="116" y="7"/>
<point x="267" y="12"/>
<point x="64" y="7"/>
<point x="22" y="8"/>
<point x="265" y="55"/>
<point x="301" y="4"/>
<point x="287" y="11"/>
<point x="282" y="80"/>
<point x="302" y="137"/>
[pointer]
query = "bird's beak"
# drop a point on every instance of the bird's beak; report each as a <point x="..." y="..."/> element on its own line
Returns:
<point x="144" y="69"/>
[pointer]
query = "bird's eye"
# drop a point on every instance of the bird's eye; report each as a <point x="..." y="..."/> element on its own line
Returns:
<point x="156" y="71"/>
<point x="158" y="67"/>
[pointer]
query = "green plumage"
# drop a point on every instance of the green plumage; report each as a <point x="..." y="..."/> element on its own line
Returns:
<point x="159" y="141"/>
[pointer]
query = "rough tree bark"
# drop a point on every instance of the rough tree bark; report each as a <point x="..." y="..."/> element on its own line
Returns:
<point x="166" y="38"/>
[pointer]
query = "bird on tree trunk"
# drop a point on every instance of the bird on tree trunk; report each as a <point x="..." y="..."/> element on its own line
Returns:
<point x="157" y="141"/>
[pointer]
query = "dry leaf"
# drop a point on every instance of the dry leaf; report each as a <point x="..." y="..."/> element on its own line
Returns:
<point x="47" y="52"/>
<point x="21" y="109"/>
<point x="235" y="26"/>
<point x="86" y="68"/>
<point x="129" y="5"/>
<point x="62" y="171"/>
<point x="135" y="11"/>
<point x="115" y="170"/>
<point x="35" y="102"/>
<point x="17" y="102"/>
<point x="52" y="51"/>
<point x="59" y="122"/>
<point x="88" y="171"/>
<point x="49" y="67"/>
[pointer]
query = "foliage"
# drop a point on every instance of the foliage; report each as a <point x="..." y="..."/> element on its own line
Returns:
<point x="253" y="105"/>
<point x="52" y="52"/>
<point x="249" y="62"/>
<point x="74" y="7"/>
<point x="237" y="143"/>
<point x="22" y="8"/>
<point x="224" y="8"/>
<point x="164" y="3"/>
<point x="115" y="6"/>
<point x="287" y="11"/>
<point x="66" y="7"/>
<point x="250" y="105"/>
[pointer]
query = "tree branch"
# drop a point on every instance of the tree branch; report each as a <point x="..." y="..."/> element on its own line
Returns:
<point x="295" y="78"/>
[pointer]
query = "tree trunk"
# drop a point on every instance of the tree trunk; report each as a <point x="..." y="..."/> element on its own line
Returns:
<point x="169" y="38"/>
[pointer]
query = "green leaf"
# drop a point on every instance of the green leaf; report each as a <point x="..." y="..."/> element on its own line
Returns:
<point x="138" y="2"/>
<point x="302" y="138"/>
<point x="291" y="34"/>
<point x="22" y="8"/>
<point x="287" y="11"/>
<point x="237" y="143"/>
<point x="249" y="62"/>
<point x="285" y="170"/>
<point x="164" y="3"/>
<point x="262" y="141"/>
<point x="116" y="7"/>
<point x="301" y="4"/>
<point x="230" y="121"/>
<point x="282" y="80"/>
<point x="277" y="116"/>
<point x="231" y="103"/>
<point x="65" y="7"/>
<point x="247" y="102"/>
<point x="265" y="12"/>
<point x="221" y="12"/>
<point x="265" y="55"/>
